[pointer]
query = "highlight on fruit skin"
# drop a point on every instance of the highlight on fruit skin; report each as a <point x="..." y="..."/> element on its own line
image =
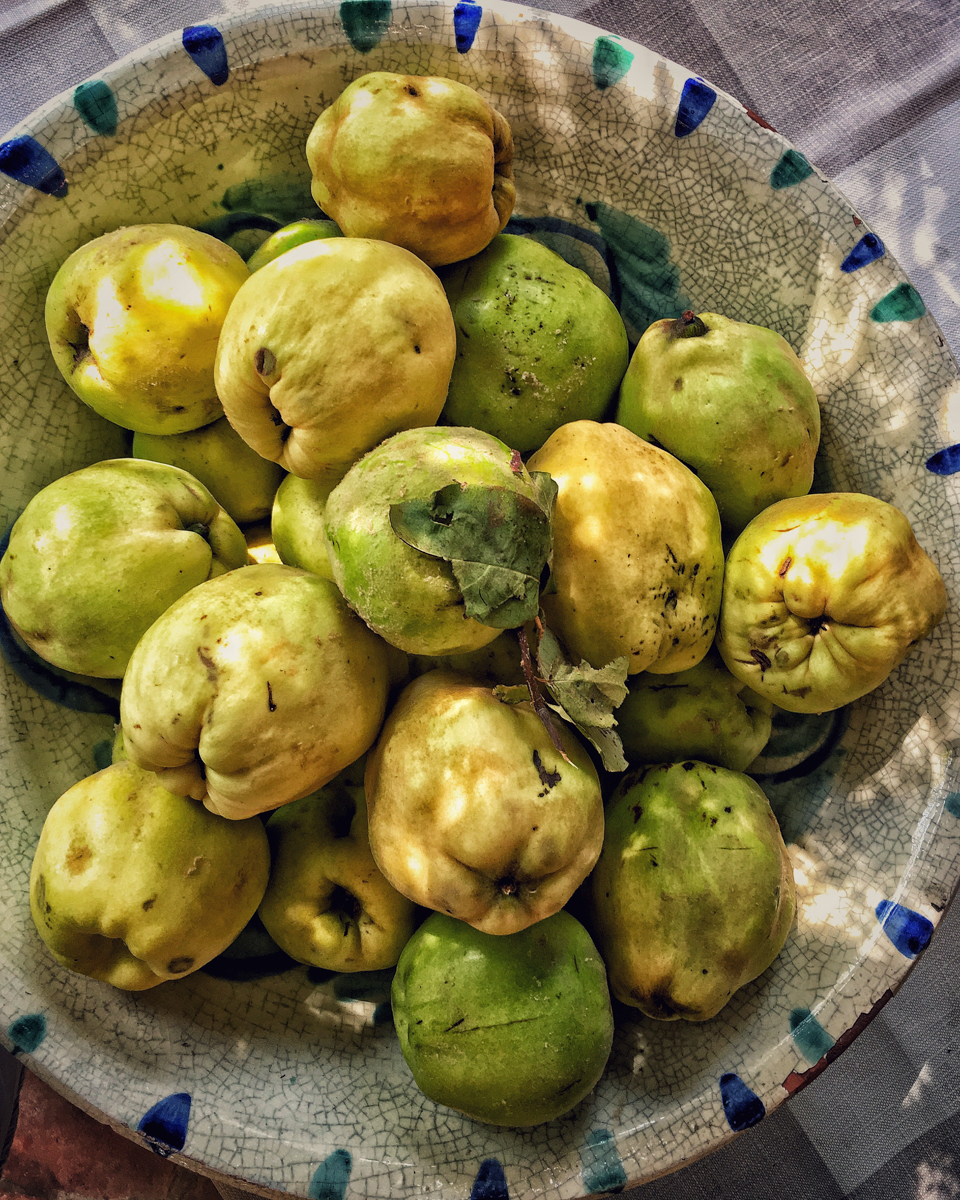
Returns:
<point x="421" y="161"/>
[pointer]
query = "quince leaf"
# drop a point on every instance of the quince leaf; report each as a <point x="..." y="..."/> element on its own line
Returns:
<point x="496" y="541"/>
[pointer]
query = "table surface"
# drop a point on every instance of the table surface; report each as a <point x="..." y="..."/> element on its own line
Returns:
<point x="871" y="95"/>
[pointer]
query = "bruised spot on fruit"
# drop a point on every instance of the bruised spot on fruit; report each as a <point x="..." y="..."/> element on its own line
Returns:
<point x="80" y="346"/>
<point x="148" y="904"/>
<point x="265" y="362"/>
<point x="549" y="779"/>
<point x="785" y="566"/>
<point x="271" y="703"/>
<point x="762" y="661"/>
<point x="177" y="966"/>
<point x="678" y="385"/>
<point x="637" y="811"/>
<point x="78" y="858"/>
<point x="208" y="662"/>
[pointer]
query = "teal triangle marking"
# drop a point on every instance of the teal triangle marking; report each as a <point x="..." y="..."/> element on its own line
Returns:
<point x="902" y="304"/>
<point x="952" y="804"/>
<point x="330" y="1179"/>
<point x="601" y="1166"/>
<point x="27" y="1032"/>
<point x="792" y="169"/>
<point x="811" y="1039"/>
<point x="611" y="62"/>
<point x="365" y="22"/>
<point x="97" y="104"/>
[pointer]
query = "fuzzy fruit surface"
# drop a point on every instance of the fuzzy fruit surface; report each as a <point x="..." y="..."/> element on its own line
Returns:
<point x="693" y="895"/>
<point x="327" y="903"/>
<point x="637" y="555"/>
<point x="332" y="347"/>
<point x="253" y="690"/>
<point x="242" y="481"/>
<point x="473" y="811"/>
<point x="101" y="553"/>
<point x="704" y="713"/>
<point x="511" y="1030"/>
<point x="733" y="403"/>
<point x="412" y="600"/>
<point x="538" y="343"/>
<point x="824" y="597"/>
<point x="133" y="885"/>
<point x="133" y="319"/>
<point x="420" y="161"/>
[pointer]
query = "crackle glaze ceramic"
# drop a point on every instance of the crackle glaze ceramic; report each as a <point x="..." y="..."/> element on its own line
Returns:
<point x="671" y="195"/>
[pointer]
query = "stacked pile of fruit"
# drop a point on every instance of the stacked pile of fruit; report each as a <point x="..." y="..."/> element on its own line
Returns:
<point x="474" y="569"/>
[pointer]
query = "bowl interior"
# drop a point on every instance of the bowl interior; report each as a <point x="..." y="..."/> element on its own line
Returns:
<point x="671" y="196"/>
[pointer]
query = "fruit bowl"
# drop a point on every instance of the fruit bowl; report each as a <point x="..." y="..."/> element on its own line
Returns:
<point x="671" y="196"/>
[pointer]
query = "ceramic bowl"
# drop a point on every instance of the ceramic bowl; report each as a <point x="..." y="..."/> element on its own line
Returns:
<point x="671" y="195"/>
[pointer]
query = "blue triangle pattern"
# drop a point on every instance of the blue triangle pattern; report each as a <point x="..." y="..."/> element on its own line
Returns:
<point x="696" y="100"/>
<point x="945" y="462"/>
<point x="26" y="161"/>
<point x="490" y="1183"/>
<point x="866" y="251"/>
<point x="741" y="1106"/>
<point x="908" y="930"/>
<point x="165" y="1124"/>
<point x="204" y="44"/>
<point x="466" y="22"/>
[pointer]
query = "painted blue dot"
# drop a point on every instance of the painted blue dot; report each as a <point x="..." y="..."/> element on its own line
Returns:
<point x="908" y="930"/>
<point x="811" y="1039"/>
<point x="165" y="1124"/>
<point x="696" y="100"/>
<point x="952" y="804"/>
<point x="602" y="1167"/>
<point x="28" y="1031"/>
<point x="944" y="462"/>
<point x="204" y="44"/>
<point x="26" y="161"/>
<point x="741" y="1107"/>
<point x="867" y="250"/>
<point x="490" y="1183"/>
<point x="330" y="1179"/>
<point x="466" y="22"/>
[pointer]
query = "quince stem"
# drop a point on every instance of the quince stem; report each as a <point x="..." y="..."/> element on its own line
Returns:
<point x="689" y="325"/>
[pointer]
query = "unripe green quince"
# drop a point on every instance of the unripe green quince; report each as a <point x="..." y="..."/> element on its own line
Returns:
<point x="731" y="400"/>
<point x="253" y="690"/>
<point x="824" y="596"/>
<point x="474" y="811"/>
<point x="327" y="903"/>
<point x="693" y="895"/>
<point x="99" y="554"/>
<point x="704" y="713"/>
<point x="290" y="236"/>
<point x="133" y="885"/>
<point x="243" y="482"/>
<point x="637" y="556"/>
<point x="133" y="319"/>
<point x="511" y="1030"/>
<point x="420" y="161"/>
<point x="296" y="523"/>
<point x="332" y="347"/>
<point x="538" y="343"/>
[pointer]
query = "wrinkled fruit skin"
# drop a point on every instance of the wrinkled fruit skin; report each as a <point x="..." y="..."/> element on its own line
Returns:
<point x="243" y="482"/>
<point x="420" y="161"/>
<point x="733" y="404"/>
<point x="538" y="343"/>
<point x="693" y="895"/>
<point x="327" y="903"/>
<point x="332" y="347"/>
<point x="296" y="523"/>
<point x="412" y="600"/>
<point x="703" y="713"/>
<point x="473" y="812"/>
<point x="101" y="553"/>
<point x="253" y="690"/>
<point x="824" y="596"/>
<point x="637" y="555"/>
<point x="509" y="1030"/>
<point x="133" y="885"/>
<point x="133" y="319"/>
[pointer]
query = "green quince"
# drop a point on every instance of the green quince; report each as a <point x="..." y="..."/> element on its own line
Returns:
<point x="332" y="347"/>
<point x="693" y="895"/>
<point x="290" y="236"/>
<point x="253" y="690"/>
<point x="327" y="903"/>
<point x="637" y="554"/>
<point x="512" y="1030"/>
<point x="99" y="554"/>
<point x="296" y="523"/>
<point x="825" y="595"/>
<point x="538" y="343"/>
<point x="474" y="811"/>
<point x="704" y="713"/>
<point x="134" y="885"/>
<point x="420" y="161"/>
<point x="730" y="400"/>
